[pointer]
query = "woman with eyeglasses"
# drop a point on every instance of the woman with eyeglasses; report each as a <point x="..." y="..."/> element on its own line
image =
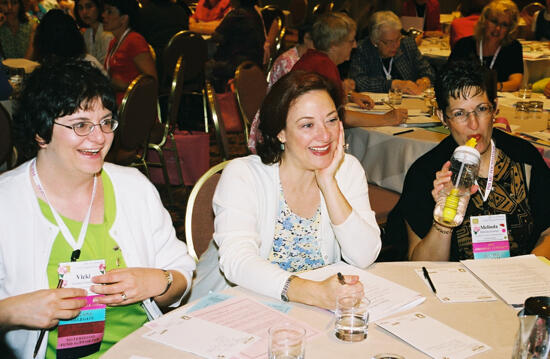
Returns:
<point x="494" y="44"/>
<point x="16" y="31"/>
<point x="65" y="204"/>
<point x="387" y="60"/>
<point x="513" y="179"/>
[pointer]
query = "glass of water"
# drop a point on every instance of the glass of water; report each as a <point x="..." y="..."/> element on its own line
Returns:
<point x="395" y="96"/>
<point x="286" y="341"/>
<point x="351" y="317"/>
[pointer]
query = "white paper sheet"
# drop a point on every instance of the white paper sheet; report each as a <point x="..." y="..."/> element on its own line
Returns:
<point x="376" y="110"/>
<point x="203" y="338"/>
<point x="433" y="337"/>
<point x="456" y="284"/>
<point x="513" y="279"/>
<point x="386" y="297"/>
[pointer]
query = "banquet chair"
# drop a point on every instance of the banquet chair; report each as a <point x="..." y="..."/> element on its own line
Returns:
<point x="298" y="12"/>
<point x="217" y="120"/>
<point x="531" y="8"/>
<point x="7" y="151"/>
<point x="137" y="116"/>
<point x="382" y="202"/>
<point x="270" y="14"/>
<point x="250" y="88"/>
<point x="199" y="216"/>
<point x="164" y="131"/>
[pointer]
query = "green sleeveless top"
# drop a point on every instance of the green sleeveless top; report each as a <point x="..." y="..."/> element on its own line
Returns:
<point x="98" y="244"/>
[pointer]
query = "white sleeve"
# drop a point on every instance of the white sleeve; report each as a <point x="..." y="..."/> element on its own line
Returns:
<point x="237" y="207"/>
<point x="359" y="235"/>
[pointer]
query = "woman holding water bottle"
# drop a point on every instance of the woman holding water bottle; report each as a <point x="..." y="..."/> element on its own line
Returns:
<point x="513" y="180"/>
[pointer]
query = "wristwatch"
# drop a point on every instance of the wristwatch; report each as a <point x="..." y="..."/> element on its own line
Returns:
<point x="169" y="279"/>
<point x="284" y="293"/>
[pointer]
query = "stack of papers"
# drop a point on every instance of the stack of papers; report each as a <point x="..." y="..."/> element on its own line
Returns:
<point x="386" y="297"/>
<point x="235" y="328"/>
<point x="376" y="110"/>
<point x="513" y="279"/>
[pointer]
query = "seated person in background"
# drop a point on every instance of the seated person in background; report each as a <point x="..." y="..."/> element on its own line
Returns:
<point x="464" y="26"/>
<point x="333" y="36"/>
<point x="539" y="24"/>
<point x="64" y="126"/>
<point x="208" y="15"/>
<point x="16" y="30"/>
<point x="88" y="16"/>
<point x="429" y="10"/>
<point x="301" y="204"/>
<point x="129" y="55"/>
<point x="57" y="35"/>
<point x="386" y="59"/>
<point x="282" y="65"/>
<point x="159" y="20"/>
<point x="494" y="44"/>
<point x="513" y="178"/>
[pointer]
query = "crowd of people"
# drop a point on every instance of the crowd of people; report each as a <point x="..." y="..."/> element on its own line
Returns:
<point x="299" y="202"/>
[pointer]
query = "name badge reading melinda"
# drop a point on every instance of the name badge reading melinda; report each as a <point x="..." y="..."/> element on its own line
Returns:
<point x="490" y="236"/>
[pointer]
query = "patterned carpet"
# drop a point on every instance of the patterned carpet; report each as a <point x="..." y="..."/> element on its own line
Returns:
<point x="237" y="148"/>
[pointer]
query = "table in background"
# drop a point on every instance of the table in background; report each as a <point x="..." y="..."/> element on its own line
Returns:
<point x="387" y="158"/>
<point x="536" y="56"/>
<point x="493" y="323"/>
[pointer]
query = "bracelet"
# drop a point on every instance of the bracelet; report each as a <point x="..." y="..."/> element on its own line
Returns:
<point x="349" y="96"/>
<point x="284" y="292"/>
<point x="169" y="279"/>
<point x="438" y="228"/>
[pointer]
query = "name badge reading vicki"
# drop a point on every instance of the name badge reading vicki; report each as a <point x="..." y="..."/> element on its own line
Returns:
<point x="490" y="236"/>
<point x="81" y="336"/>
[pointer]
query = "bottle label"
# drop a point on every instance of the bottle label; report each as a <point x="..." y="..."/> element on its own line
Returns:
<point x="490" y="236"/>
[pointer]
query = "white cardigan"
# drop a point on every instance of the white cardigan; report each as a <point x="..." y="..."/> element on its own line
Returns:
<point x="100" y="46"/>
<point x="142" y="228"/>
<point x="246" y="207"/>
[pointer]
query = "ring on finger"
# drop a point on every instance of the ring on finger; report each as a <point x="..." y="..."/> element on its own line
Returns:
<point x="123" y="296"/>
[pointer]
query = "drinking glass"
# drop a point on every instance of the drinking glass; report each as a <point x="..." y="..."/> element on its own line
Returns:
<point x="395" y="96"/>
<point x="525" y="91"/>
<point x="351" y="318"/>
<point x="286" y="341"/>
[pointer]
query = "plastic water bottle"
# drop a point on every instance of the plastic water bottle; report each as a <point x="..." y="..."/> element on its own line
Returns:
<point x="453" y="199"/>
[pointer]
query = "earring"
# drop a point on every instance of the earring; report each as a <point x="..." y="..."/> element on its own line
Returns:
<point x="282" y="146"/>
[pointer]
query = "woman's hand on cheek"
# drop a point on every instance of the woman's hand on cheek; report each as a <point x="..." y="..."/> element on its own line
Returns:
<point x="326" y="175"/>
<point x="128" y="285"/>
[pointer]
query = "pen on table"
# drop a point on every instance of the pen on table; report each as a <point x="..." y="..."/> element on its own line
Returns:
<point x="74" y="257"/>
<point x="341" y="278"/>
<point x="402" y="132"/>
<point x="427" y="276"/>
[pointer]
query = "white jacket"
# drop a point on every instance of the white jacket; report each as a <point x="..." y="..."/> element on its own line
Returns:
<point x="246" y="205"/>
<point x="142" y="228"/>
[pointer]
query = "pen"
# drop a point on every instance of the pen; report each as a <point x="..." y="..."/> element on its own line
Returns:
<point x="402" y="132"/>
<point x="74" y="257"/>
<point x="427" y="276"/>
<point x="341" y="278"/>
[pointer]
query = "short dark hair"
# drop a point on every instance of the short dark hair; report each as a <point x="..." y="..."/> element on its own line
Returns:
<point x="58" y="35"/>
<point x="98" y="4"/>
<point x="127" y="7"/>
<point x="457" y="78"/>
<point x="55" y="89"/>
<point x="274" y="110"/>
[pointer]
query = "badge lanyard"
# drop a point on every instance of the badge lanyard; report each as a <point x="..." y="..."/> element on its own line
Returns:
<point x="481" y="54"/>
<point x="115" y="49"/>
<point x="76" y="245"/>
<point x="490" y="175"/>
<point x="387" y="72"/>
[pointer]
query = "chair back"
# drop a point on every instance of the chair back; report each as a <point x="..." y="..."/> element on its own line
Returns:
<point x="531" y="8"/>
<point x="176" y="91"/>
<point x="270" y="14"/>
<point x="251" y="88"/>
<point x="137" y="116"/>
<point x="217" y="121"/>
<point x="194" y="50"/>
<point x="323" y="8"/>
<point x="6" y="148"/>
<point x="199" y="216"/>
<point x="298" y="12"/>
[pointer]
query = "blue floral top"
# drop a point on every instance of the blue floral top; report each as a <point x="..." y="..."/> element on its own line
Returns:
<point x="296" y="244"/>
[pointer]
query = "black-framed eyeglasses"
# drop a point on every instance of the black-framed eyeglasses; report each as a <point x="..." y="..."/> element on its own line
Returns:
<point x="496" y="23"/>
<point x="481" y="112"/>
<point x="84" y="128"/>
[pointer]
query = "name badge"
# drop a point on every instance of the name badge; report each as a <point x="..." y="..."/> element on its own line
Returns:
<point x="490" y="236"/>
<point x="81" y="336"/>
